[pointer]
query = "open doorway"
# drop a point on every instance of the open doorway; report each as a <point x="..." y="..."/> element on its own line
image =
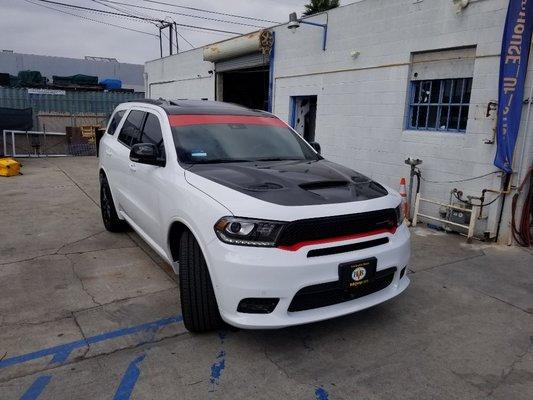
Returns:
<point x="303" y="116"/>
<point x="247" y="87"/>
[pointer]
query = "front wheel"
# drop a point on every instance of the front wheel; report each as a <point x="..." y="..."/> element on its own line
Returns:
<point x="109" y="214"/>
<point x="198" y="302"/>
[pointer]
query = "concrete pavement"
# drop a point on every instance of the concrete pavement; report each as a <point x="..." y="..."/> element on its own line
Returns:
<point x="86" y="314"/>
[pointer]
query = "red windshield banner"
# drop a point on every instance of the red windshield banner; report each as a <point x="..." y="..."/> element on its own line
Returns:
<point x="183" y="120"/>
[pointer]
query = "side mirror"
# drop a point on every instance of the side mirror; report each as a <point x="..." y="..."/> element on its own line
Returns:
<point x="146" y="153"/>
<point x="316" y="146"/>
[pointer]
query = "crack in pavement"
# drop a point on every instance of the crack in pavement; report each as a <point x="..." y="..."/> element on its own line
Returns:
<point x="505" y="375"/>
<point x="73" y="267"/>
<point x="55" y="252"/>
<point x="76" y="183"/>
<point x="82" y="335"/>
<point x="503" y="301"/>
<point x="101" y="249"/>
<point x="485" y="293"/>
<point x="78" y="241"/>
<point x="82" y="310"/>
<point x="450" y="262"/>
<point x="51" y="367"/>
<point x="36" y="323"/>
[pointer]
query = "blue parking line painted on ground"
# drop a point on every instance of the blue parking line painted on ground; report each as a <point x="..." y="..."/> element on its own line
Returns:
<point x="36" y="388"/>
<point x="321" y="394"/>
<point x="218" y="366"/>
<point x="125" y="388"/>
<point x="62" y="352"/>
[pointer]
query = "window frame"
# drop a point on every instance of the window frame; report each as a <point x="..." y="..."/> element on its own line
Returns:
<point x="140" y="129"/>
<point x="161" y="146"/>
<point x="414" y="105"/>
<point x="148" y="114"/>
<point x="113" y="116"/>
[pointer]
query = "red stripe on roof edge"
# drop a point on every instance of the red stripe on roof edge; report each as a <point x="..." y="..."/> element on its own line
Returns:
<point x="183" y="120"/>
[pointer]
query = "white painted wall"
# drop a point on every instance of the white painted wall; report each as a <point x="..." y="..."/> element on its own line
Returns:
<point x="362" y="101"/>
<point x="183" y="76"/>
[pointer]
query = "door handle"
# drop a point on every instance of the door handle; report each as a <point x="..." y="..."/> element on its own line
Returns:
<point x="133" y="167"/>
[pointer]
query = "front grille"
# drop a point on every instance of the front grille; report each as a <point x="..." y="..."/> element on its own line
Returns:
<point x="313" y="229"/>
<point x="347" y="247"/>
<point x="330" y="293"/>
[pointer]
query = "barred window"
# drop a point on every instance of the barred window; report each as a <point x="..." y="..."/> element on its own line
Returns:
<point x="439" y="104"/>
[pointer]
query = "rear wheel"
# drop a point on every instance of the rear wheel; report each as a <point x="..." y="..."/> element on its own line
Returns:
<point x="198" y="302"/>
<point x="109" y="214"/>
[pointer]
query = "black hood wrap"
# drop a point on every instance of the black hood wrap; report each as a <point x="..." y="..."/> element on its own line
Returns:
<point x="293" y="183"/>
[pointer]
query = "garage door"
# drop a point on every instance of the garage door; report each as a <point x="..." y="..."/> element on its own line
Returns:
<point x="247" y="61"/>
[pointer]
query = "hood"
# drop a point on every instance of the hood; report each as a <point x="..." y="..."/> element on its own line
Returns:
<point x="291" y="183"/>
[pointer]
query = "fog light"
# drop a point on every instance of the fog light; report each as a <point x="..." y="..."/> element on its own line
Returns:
<point x="259" y="305"/>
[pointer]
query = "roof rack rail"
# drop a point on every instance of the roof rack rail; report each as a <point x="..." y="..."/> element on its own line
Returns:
<point x="157" y="102"/>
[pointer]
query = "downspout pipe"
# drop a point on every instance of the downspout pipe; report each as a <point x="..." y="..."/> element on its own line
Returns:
<point x="507" y="180"/>
<point x="271" y="74"/>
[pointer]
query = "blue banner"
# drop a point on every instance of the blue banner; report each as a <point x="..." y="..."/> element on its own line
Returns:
<point x="513" y="66"/>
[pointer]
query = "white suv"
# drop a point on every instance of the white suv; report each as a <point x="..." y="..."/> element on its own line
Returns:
<point x="262" y="231"/>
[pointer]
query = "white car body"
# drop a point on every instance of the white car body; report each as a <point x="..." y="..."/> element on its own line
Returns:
<point x="151" y="198"/>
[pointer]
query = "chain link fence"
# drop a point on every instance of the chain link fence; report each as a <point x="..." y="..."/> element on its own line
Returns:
<point x="69" y="117"/>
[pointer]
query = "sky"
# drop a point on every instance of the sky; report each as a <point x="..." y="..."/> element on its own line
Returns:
<point x="34" y="29"/>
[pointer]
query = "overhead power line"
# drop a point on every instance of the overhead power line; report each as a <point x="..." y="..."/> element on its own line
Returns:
<point x="131" y="13"/>
<point x="211" y="11"/>
<point x="57" y="3"/>
<point x="184" y="14"/>
<point x="135" y="17"/>
<point x="189" y="43"/>
<point x="91" y="19"/>
<point x="124" y="10"/>
<point x="207" y="32"/>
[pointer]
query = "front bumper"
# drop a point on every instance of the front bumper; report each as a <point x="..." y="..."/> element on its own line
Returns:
<point x="240" y="272"/>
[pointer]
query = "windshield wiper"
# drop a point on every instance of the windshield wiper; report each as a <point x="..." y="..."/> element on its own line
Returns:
<point x="278" y="159"/>
<point x="219" y="161"/>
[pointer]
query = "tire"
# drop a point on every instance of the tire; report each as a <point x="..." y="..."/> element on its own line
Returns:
<point x="109" y="214"/>
<point x="198" y="303"/>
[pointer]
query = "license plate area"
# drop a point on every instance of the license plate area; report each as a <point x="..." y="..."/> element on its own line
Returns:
<point x="354" y="275"/>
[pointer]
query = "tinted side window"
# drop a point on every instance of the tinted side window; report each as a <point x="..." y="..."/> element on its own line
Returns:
<point x="152" y="133"/>
<point x="115" y="121"/>
<point x="131" y="130"/>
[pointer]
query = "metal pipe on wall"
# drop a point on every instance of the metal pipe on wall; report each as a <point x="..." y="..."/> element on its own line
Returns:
<point x="523" y="150"/>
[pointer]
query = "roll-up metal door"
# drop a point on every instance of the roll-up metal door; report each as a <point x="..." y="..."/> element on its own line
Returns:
<point x="247" y="61"/>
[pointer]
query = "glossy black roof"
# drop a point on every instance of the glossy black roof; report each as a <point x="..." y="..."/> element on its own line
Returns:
<point x="201" y="107"/>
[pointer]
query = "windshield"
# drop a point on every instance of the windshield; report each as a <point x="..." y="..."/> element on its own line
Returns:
<point x="248" y="140"/>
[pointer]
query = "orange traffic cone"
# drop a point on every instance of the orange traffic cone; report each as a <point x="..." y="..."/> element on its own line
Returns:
<point x="403" y="193"/>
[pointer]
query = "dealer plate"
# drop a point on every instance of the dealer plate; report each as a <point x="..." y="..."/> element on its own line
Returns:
<point x="356" y="274"/>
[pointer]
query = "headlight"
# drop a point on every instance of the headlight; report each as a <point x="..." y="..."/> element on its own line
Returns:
<point x="248" y="232"/>
<point x="400" y="215"/>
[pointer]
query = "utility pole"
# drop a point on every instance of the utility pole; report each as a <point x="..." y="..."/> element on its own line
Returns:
<point x="173" y="33"/>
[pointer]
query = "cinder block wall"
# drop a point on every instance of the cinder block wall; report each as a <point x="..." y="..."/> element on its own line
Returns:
<point x="362" y="101"/>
